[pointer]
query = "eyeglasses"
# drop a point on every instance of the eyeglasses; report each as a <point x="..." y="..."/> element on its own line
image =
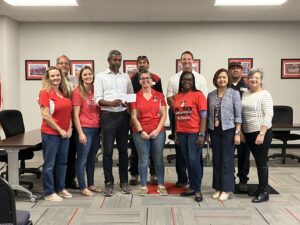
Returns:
<point x="145" y="78"/>
<point x="61" y="63"/>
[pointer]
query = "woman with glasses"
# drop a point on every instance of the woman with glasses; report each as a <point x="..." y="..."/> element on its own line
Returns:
<point x="190" y="109"/>
<point x="257" y="113"/>
<point x="56" y="108"/>
<point x="148" y="115"/>
<point x="86" y="117"/>
<point x="224" y="125"/>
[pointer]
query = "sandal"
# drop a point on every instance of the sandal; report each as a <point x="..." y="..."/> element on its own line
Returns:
<point x="86" y="192"/>
<point x="95" y="189"/>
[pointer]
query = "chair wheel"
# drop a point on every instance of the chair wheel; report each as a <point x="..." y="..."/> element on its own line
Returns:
<point x="33" y="198"/>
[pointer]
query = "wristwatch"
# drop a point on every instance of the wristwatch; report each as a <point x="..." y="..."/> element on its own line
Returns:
<point x="237" y="132"/>
<point x="201" y="134"/>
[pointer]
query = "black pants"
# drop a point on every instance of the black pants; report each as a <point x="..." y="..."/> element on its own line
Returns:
<point x="134" y="161"/>
<point x="115" y="126"/>
<point x="70" y="174"/>
<point x="222" y="143"/>
<point x="243" y="154"/>
<point x="260" y="154"/>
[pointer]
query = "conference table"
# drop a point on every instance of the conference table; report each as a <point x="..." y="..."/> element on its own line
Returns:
<point x="12" y="146"/>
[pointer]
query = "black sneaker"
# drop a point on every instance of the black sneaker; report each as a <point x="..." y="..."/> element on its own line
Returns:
<point x="153" y="180"/>
<point x="134" y="180"/>
<point x="125" y="188"/>
<point x="242" y="187"/>
<point x="108" y="190"/>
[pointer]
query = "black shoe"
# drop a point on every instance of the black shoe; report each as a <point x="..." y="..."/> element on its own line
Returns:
<point x="261" y="197"/>
<point x="198" y="197"/>
<point x="153" y="180"/>
<point x="187" y="193"/>
<point x="72" y="185"/>
<point x="134" y="180"/>
<point x="181" y="185"/>
<point x="108" y="190"/>
<point x="242" y="187"/>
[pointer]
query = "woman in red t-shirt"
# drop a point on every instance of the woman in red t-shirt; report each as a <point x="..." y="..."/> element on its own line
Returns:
<point x="86" y="117"/>
<point x="56" y="108"/>
<point x="148" y="115"/>
<point x="190" y="109"/>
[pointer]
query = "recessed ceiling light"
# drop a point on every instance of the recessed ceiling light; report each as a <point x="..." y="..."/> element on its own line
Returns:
<point x="42" y="2"/>
<point x="248" y="2"/>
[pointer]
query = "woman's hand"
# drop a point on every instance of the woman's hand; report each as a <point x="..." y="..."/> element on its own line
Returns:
<point x="144" y="135"/>
<point x="200" y="140"/>
<point x="63" y="133"/>
<point x="243" y="139"/>
<point x="154" y="134"/>
<point x="70" y="132"/>
<point x="82" y="139"/>
<point x="237" y="139"/>
<point x="260" y="139"/>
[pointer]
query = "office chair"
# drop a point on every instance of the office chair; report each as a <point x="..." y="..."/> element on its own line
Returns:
<point x="8" y="212"/>
<point x="12" y="124"/>
<point x="284" y="115"/>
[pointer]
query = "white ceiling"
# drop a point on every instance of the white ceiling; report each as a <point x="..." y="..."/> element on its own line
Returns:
<point x="152" y="11"/>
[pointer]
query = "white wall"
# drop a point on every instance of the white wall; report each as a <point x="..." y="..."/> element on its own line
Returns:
<point x="9" y="59"/>
<point x="213" y="43"/>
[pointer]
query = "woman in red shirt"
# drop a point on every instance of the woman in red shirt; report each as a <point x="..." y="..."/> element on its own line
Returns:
<point x="86" y="117"/>
<point x="148" y="115"/>
<point x="56" y="108"/>
<point x="190" y="109"/>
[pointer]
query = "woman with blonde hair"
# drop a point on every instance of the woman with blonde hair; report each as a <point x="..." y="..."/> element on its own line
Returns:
<point x="56" y="108"/>
<point x="86" y="117"/>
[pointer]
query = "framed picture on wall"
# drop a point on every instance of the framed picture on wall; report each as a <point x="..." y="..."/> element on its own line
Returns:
<point x="130" y="67"/>
<point x="196" y="65"/>
<point x="36" y="69"/>
<point x="247" y="64"/>
<point x="77" y="65"/>
<point x="290" y="68"/>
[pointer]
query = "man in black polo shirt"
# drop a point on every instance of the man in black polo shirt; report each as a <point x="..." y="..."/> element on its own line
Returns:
<point x="142" y="63"/>
<point x="243" y="152"/>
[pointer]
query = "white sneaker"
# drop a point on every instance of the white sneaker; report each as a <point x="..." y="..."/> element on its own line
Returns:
<point x="224" y="196"/>
<point x="216" y="195"/>
<point x="65" y="194"/>
<point x="53" y="198"/>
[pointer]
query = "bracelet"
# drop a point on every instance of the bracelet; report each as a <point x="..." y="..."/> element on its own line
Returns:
<point x="237" y="132"/>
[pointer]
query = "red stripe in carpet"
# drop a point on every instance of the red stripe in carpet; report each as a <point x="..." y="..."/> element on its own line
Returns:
<point x="171" y="188"/>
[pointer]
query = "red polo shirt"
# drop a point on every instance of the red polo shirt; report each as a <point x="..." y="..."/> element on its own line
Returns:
<point x="60" y="111"/>
<point x="148" y="111"/>
<point x="187" y="107"/>
<point x="89" y="115"/>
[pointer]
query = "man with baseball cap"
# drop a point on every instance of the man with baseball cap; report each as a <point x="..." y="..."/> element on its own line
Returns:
<point x="243" y="152"/>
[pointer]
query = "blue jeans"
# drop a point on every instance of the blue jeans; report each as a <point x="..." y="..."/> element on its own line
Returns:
<point x="86" y="156"/>
<point x="192" y="154"/>
<point x="144" y="147"/>
<point x="55" y="153"/>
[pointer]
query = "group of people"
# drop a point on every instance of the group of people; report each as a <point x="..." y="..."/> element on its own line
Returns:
<point x="234" y="114"/>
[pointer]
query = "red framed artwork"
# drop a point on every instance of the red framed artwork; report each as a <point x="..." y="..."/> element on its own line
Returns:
<point x="290" y="68"/>
<point x="196" y="65"/>
<point x="130" y="67"/>
<point x="77" y="65"/>
<point x="247" y="64"/>
<point x="36" y="69"/>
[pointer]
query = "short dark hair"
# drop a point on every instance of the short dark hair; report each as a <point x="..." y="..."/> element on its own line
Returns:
<point x="112" y="53"/>
<point x="219" y="71"/>
<point x="181" y="78"/>
<point x="187" y="52"/>
<point x="142" y="57"/>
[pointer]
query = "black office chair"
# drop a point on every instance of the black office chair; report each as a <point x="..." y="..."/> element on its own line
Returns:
<point x="12" y="124"/>
<point x="8" y="212"/>
<point x="284" y="115"/>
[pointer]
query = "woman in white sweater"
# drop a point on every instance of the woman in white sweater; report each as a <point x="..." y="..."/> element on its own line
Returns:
<point x="257" y="113"/>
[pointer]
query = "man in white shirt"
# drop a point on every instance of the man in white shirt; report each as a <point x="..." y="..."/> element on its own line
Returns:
<point x="187" y="59"/>
<point x="110" y="88"/>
